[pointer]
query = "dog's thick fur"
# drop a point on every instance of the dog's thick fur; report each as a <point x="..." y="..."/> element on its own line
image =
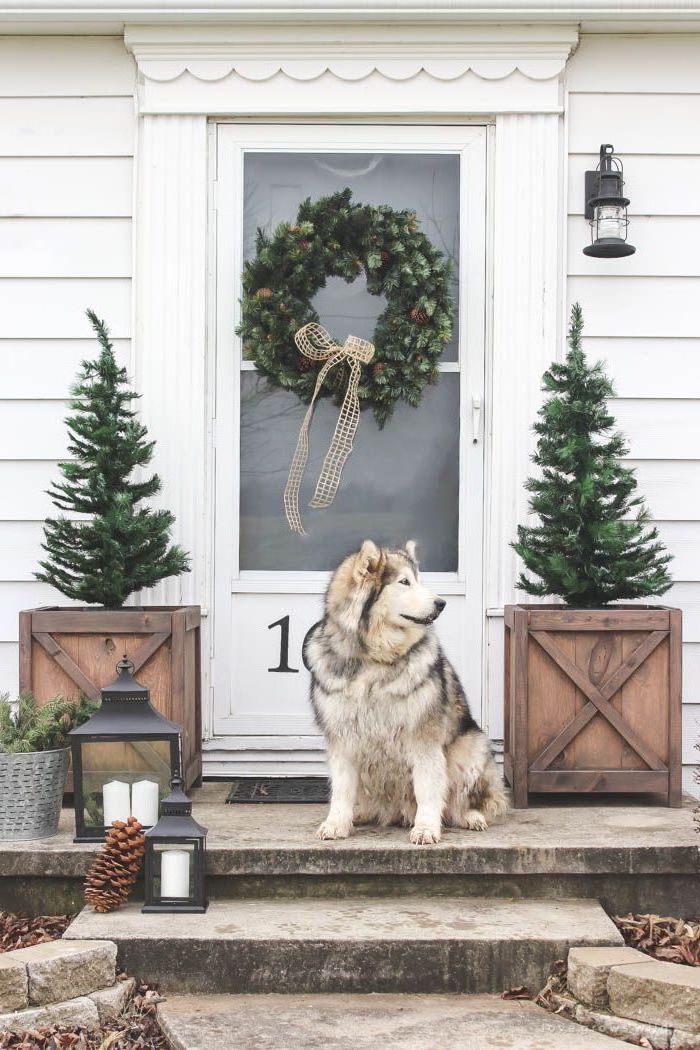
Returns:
<point x="403" y="747"/>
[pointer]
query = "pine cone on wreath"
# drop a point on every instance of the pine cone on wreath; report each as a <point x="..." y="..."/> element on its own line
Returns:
<point x="113" y="873"/>
<point x="384" y="255"/>
<point x="419" y="315"/>
<point x="263" y="293"/>
<point x="378" y="368"/>
<point x="305" y="363"/>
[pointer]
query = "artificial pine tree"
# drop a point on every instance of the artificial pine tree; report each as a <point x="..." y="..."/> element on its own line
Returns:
<point x="118" y="546"/>
<point x="593" y="544"/>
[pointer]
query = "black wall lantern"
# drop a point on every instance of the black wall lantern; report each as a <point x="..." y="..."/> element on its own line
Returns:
<point x="124" y="759"/>
<point x="606" y="208"/>
<point x="175" y="858"/>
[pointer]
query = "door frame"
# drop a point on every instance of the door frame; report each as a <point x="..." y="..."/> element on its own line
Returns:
<point x="228" y="141"/>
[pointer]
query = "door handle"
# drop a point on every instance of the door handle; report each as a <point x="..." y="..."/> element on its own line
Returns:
<point x="476" y="419"/>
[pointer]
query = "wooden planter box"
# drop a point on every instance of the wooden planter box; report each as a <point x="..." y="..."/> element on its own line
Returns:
<point x="66" y="652"/>
<point x="592" y="700"/>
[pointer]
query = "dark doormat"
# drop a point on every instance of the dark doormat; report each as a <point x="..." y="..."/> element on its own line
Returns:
<point x="279" y="789"/>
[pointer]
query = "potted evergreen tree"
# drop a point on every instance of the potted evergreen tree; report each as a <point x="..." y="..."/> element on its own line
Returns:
<point x="593" y="687"/>
<point x="33" y="762"/>
<point x="106" y="544"/>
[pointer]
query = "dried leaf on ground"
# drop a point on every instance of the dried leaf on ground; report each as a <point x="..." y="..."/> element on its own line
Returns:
<point x="521" y="992"/>
<point x="556" y="985"/>
<point x="665" y="938"/>
<point x="19" y="931"/>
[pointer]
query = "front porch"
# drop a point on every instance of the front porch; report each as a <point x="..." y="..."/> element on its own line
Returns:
<point x="631" y="856"/>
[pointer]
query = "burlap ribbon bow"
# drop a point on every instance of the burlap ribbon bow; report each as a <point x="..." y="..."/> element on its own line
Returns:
<point x="315" y="342"/>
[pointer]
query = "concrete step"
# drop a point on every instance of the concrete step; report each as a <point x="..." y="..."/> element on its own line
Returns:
<point x="407" y="944"/>
<point x="632" y="857"/>
<point x="364" y="1022"/>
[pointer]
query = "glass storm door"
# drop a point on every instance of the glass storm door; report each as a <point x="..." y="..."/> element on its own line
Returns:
<point x="421" y="477"/>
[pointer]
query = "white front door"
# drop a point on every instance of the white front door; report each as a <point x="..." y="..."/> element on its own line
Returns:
<point x="420" y="478"/>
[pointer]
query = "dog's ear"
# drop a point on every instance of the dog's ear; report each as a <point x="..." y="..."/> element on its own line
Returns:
<point x="368" y="562"/>
<point x="410" y="548"/>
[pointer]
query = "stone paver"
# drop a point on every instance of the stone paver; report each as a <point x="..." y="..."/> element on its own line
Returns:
<point x="623" y="1028"/>
<point x="14" y="992"/>
<point x="366" y="1022"/>
<point x="589" y="969"/>
<point x="111" y="1001"/>
<point x="79" y="1011"/>
<point x="684" y="1041"/>
<point x="64" y="969"/>
<point x="660" y="993"/>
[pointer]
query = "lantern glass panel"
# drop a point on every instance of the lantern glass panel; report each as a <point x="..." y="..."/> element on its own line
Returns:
<point x="123" y="762"/>
<point x="610" y="221"/>
<point x="173" y="870"/>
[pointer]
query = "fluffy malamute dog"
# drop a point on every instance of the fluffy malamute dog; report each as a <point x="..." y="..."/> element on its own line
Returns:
<point x="403" y="747"/>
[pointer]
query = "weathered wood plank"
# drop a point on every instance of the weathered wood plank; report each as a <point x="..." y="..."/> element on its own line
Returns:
<point x="563" y="619"/>
<point x="675" y="742"/>
<point x="596" y="697"/>
<point x="599" y="780"/>
<point x="99" y="621"/>
<point x="519" y="686"/>
<point x="606" y="691"/>
<point x="54" y="650"/>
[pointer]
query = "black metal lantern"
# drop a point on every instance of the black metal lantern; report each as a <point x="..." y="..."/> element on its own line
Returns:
<point x="175" y="858"/>
<point x="124" y="759"/>
<point x="606" y="208"/>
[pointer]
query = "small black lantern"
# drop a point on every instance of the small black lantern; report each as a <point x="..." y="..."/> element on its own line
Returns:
<point x="124" y="759"/>
<point x="175" y="858"/>
<point x="606" y="208"/>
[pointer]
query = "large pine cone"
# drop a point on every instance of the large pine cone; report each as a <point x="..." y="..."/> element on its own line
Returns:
<point x="111" y="878"/>
<point x="419" y="315"/>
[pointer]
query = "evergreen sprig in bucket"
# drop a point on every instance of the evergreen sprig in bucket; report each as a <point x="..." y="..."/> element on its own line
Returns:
<point x="33" y="763"/>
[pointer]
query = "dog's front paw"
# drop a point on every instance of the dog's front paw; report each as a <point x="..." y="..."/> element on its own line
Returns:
<point x="423" y="835"/>
<point x="333" y="829"/>
<point x="475" y="821"/>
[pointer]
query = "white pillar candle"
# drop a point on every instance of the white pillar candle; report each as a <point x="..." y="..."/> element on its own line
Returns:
<point x="144" y="802"/>
<point x="115" y="802"/>
<point x="175" y="873"/>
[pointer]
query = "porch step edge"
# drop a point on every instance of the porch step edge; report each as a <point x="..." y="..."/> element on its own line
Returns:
<point x="417" y="944"/>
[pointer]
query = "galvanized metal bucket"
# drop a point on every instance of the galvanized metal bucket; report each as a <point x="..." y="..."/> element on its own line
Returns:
<point x="31" y="793"/>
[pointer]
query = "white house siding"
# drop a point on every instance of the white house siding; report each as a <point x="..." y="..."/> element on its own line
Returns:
<point x="67" y="132"/>
<point x="642" y="93"/>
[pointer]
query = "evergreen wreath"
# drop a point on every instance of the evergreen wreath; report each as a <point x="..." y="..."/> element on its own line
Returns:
<point x="334" y="237"/>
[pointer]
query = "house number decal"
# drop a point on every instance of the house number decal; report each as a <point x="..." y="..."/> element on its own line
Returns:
<point x="283" y="666"/>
